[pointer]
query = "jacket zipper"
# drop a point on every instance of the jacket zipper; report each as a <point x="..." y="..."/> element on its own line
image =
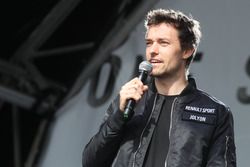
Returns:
<point x="225" y="155"/>
<point x="170" y="129"/>
<point x="144" y="129"/>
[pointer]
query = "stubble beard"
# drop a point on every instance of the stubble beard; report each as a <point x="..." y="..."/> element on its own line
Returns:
<point x="168" y="73"/>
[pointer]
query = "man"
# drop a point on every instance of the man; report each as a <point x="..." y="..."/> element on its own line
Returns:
<point x="174" y="123"/>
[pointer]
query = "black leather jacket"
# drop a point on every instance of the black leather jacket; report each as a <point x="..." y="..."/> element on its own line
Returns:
<point x="201" y="133"/>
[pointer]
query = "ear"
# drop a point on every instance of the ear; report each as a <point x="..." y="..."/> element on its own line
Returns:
<point x="187" y="53"/>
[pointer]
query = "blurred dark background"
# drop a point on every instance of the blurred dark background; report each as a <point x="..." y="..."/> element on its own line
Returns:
<point x="49" y="50"/>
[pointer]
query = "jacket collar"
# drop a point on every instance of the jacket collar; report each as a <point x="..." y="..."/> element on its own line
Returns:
<point x="190" y="87"/>
<point x="187" y="90"/>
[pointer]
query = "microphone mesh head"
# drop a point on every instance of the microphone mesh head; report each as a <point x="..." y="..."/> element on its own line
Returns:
<point x="145" y="66"/>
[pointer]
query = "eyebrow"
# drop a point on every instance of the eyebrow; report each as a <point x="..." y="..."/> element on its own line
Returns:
<point x="149" y="39"/>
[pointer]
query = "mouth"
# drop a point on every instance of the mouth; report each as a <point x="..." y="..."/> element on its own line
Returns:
<point x="155" y="61"/>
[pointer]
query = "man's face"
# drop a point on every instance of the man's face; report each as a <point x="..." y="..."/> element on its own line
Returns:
<point x="163" y="50"/>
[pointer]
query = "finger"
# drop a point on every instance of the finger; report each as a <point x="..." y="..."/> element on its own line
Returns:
<point x="136" y="81"/>
<point x="145" y="88"/>
<point x="124" y="96"/>
<point x="134" y="96"/>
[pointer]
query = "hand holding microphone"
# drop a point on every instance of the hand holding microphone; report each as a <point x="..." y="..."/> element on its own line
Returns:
<point x="132" y="91"/>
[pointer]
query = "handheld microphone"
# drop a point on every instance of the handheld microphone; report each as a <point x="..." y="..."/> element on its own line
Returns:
<point x="145" y="69"/>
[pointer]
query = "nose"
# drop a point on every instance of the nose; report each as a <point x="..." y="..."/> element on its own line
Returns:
<point x="154" y="49"/>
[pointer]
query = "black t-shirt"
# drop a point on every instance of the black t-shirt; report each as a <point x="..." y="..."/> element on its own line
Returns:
<point x="158" y="148"/>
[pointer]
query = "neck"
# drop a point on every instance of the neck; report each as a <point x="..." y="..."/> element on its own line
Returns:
<point x="171" y="85"/>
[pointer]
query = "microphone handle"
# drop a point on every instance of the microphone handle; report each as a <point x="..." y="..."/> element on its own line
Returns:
<point x="129" y="108"/>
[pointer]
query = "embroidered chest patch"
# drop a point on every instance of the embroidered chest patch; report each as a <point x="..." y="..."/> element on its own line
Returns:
<point x="200" y="109"/>
<point x="199" y="114"/>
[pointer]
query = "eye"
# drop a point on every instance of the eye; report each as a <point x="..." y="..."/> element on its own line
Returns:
<point x="164" y="43"/>
<point x="148" y="43"/>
